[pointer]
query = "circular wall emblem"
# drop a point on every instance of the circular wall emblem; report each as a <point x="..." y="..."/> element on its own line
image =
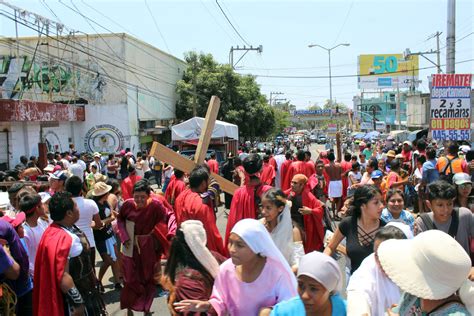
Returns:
<point x="104" y="138"/>
<point x="52" y="141"/>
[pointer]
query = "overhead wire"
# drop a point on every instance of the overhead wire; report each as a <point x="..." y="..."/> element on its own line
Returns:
<point x="232" y="25"/>
<point x="344" y="23"/>
<point x="157" y="27"/>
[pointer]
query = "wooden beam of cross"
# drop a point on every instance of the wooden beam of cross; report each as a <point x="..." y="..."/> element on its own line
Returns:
<point x="167" y="155"/>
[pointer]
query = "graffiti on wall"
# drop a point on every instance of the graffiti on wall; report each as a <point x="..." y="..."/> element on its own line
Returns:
<point x="40" y="77"/>
<point x="52" y="141"/>
<point x="104" y="138"/>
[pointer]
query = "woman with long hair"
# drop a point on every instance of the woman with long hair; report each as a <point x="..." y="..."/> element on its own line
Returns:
<point x="256" y="277"/>
<point x="360" y="228"/>
<point x="394" y="212"/>
<point x="191" y="267"/>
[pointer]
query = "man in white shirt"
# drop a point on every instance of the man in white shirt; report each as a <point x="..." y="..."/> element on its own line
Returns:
<point x="34" y="226"/>
<point x="88" y="212"/>
<point x="76" y="169"/>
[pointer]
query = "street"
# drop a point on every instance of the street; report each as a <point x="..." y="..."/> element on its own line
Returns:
<point x="159" y="307"/>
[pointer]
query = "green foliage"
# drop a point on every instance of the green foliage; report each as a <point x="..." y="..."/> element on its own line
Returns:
<point x="241" y="100"/>
<point x="282" y="120"/>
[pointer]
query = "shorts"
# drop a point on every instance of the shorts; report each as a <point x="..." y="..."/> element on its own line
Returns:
<point x="335" y="189"/>
<point x="107" y="246"/>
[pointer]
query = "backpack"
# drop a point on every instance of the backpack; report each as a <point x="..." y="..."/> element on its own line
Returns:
<point x="448" y="177"/>
<point x="453" y="227"/>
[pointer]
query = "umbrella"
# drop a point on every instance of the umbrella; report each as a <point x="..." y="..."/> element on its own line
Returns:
<point x="371" y="135"/>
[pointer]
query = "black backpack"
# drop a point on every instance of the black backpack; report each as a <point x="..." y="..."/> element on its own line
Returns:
<point x="448" y="177"/>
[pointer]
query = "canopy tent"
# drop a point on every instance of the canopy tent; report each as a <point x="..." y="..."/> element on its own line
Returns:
<point x="358" y="135"/>
<point x="191" y="129"/>
<point x="371" y="135"/>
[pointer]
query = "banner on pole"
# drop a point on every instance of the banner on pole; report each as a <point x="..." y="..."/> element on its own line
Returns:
<point x="451" y="107"/>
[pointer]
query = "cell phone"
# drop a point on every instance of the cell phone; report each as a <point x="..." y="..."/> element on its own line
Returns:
<point x="470" y="155"/>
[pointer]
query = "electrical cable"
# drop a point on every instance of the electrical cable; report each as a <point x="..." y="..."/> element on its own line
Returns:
<point x="233" y="27"/>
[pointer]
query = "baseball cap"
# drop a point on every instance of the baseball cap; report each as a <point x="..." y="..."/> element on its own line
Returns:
<point x="59" y="175"/>
<point x="376" y="174"/>
<point x="408" y="143"/>
<point x="461" y="178"/>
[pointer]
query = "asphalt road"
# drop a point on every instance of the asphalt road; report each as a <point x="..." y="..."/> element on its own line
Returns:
<point x="159" y="307"/>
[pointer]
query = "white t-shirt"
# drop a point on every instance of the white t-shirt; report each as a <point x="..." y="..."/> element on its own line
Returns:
<point x="356" y="175"/>
<point x="32" y="239"/>
<point x="76" y="169"/>
<point x="65" y="163"/>
<point x="145" y="165"/>
<point x="87" y="210"/>
<point x="76" y="246"/>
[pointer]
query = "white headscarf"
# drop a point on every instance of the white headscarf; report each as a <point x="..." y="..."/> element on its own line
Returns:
<point x="282" y="234"/>
<point x="370" y="288"/>
<point x="323" y="269"/>
<point x="195" y="237"/>
<point x="256" y="236"/>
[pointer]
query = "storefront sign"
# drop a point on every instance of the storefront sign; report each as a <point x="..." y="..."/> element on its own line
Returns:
<point x="451" y="107"/>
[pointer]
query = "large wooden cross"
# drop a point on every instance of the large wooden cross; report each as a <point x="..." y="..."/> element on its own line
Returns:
<point x="167" y="155"/>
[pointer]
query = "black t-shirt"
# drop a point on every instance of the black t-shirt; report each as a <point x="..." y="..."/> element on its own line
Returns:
<point x="106" y="232"/>
<point x="296" y="216"/>
<point x="355" y="251"/>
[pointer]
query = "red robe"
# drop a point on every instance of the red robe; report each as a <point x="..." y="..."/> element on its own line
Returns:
<point x="313" y="223"/>
<point x="299" y="167"/>
<point x="52" y="257"/>
<point x="139" y="271"/>
<point x="311" y="167"/>
<point x="165" y="231"/>
<point x="243" y="205"/>
<point x="213" y="165"/>
<point x="127" y="186"/>
<point x="175" y="187"/>
<point x="285" y="166"/>
<point x="346" y="166"/>
<point x="273" y="163"/>
<point x="267" y="175"/>
<point x="189" y="205"/>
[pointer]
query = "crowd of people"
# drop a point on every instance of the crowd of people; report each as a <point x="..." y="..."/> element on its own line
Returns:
<point x="290" y="220"/>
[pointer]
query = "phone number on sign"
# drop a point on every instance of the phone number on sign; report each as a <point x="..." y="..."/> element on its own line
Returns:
<point x="452" y="134"/>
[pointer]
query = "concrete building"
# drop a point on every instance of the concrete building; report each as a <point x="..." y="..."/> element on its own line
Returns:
<point x="113" y="90"/>
<point x="385" y="105"/>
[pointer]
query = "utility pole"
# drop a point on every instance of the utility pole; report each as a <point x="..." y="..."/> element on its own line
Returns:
<point x="259" y="50"/>
<point x="398" y="108"/>
<point x="194" y="90"/>
<point x="374" y="118"/>
<point x="271" y="96"/>
<point x="438" y="60"/>
<point x="451" y="38"/>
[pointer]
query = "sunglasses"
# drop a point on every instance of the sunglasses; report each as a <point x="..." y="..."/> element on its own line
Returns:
<point x="465" y="185"/>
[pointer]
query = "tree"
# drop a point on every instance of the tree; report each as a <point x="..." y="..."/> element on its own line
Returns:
<point x="341" y="107"/>
<point x="242" y="103"/>
<point x="282" y="120"/>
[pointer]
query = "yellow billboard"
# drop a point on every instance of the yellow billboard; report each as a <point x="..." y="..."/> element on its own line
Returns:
<point x="387" y="71"/>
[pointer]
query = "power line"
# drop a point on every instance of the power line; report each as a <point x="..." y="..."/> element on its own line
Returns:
<point x="157" y="28"/>
<point x="344" y="23"/>
<point x="225" y="15"/>
<point x="349" y="76"/>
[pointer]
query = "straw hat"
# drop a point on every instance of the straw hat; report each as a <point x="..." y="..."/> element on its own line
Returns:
<point x="391" y="154"/>
<point x="101" y="188"/>
<point x="433" y="265"/>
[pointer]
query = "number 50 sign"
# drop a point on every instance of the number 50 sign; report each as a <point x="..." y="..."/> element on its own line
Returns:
<point x="387" y="71"/>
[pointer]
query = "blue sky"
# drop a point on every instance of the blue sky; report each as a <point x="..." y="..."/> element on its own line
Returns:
<point x="284" y="28"/>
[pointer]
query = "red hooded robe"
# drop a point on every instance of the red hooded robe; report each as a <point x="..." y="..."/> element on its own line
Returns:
<point x="243" y="205"/>
<point x="267" y="175"/>
<point x="175" y="187"/>
<point x="52" y="257"/>
<point x="189" y="205"/>
<point x="313" y="223"/>
<point x="285" y="166"/>
<point x="213" y="166"/>
<point x="299" y="167"/>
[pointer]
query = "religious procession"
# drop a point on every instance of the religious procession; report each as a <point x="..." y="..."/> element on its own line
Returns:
<point x="156" y="159"/>
<point x="384" y="230"/>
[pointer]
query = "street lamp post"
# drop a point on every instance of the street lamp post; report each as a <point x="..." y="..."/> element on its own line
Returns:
<point x="329" y="54"/>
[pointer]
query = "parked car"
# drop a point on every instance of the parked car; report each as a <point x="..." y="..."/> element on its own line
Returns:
<point x="313" y="138"/>
<point x="322" y="139"/>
